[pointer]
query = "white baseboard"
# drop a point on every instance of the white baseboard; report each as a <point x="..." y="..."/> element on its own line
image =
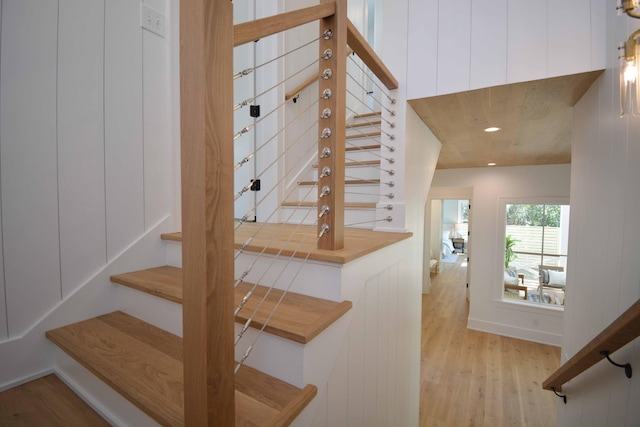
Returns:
<point x="515" y="332"/>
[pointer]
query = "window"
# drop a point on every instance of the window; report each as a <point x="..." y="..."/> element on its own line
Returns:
<point x="536" y="240"/>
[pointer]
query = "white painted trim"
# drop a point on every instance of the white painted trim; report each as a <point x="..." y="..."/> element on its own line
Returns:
<point x="515" y="332"/>
<point x="26" y="379"/>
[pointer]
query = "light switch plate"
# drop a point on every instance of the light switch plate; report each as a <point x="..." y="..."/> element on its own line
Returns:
<point x="152" y="20"/>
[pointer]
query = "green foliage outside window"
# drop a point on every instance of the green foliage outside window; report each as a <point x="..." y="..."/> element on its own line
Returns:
<point x="534" y="215"/>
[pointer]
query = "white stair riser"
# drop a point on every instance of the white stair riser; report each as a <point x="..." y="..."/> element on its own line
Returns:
<point x="268" y="267"/>
<point x="273" y="355"/>
<point x="353" y="172"/>
<point x="351" y="216"/>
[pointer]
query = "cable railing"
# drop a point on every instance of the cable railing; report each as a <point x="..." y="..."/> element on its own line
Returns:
<point x="278" y="147"/>
<point x="620" y="332"/>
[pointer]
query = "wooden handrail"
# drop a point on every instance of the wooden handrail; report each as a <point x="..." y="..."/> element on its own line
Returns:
<point x="301" y="87"/>
<point x="623" y="330"/>
<point x="254" y="30"/>
<point x="360" y="46"/>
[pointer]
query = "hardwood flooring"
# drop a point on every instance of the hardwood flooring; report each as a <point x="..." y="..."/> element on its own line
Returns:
<point x="45" y="402"/>
<point x="471" y="378"/>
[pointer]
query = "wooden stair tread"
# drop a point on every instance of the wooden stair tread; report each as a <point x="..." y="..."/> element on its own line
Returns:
<point x="164" y="282"/>
<point x="364" y="135"/>
<point x="299" y="241"/>
<point x="298" y="318"/>
<point x="356" y="164"/>
<point x="347" y="182"/>
<point x="144" y="364"/>
<point x="360" y="116"/>
<point x="363" y="147"/>
<point x="353" y="205"/>
<point x="364" y="124"/>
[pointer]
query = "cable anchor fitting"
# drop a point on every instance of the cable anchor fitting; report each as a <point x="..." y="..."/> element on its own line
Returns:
<point x="326" y="152"/>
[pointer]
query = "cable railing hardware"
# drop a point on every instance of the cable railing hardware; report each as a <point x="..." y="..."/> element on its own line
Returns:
<point x="250" y="70"/>
<point x="386" y="219"/>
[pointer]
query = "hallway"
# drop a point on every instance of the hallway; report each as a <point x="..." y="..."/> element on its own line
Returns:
<point x="474" y="378"/>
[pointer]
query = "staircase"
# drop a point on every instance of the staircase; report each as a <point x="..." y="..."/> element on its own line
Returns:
<point x="362" y="178"/>
<point x="143" y="362"/>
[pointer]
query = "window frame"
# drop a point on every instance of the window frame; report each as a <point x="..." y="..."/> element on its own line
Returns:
<point x="500" y="252"/>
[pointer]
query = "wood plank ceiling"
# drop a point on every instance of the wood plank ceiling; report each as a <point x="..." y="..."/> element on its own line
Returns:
<point x="535" y="119"/>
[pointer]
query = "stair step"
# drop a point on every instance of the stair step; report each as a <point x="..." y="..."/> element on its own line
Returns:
<point x="298" y="318"/>
<point x="364" y="124"/>
<point x="352" y="205"/>
<point x="364" y="135"/>
<point x="144" y="364"/>
<point x="357" y="242"/>
<point x="347" y="182"/>
<point x="363" y="147"/>
<point x="360" y="116"/>
<point x="356" y="164"/>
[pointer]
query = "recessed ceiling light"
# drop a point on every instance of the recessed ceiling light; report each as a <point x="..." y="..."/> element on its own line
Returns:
<point x="491" y="164"/>
<point x="492" y="129"/>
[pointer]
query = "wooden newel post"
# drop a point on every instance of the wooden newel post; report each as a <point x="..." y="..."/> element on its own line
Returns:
<point x="332" y="129"/>
<point x="206" y="69"/>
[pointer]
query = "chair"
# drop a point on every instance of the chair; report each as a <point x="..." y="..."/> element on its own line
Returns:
<point x="434" y="265"/>
<point x="513" y="284"/>
<point x="551" y="277"/>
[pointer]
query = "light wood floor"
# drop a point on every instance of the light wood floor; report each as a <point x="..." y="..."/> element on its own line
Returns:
<point x="46" y="402"/>
<point x="471" y="378"/>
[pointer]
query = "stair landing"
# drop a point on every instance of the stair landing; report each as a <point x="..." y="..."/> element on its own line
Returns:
<point x="144" y="364"/>
<point x="299" y="240"/>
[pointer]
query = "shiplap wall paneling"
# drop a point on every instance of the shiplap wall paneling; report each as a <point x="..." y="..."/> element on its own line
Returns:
<point x="598" y="30"/>
<point x="454" y="46"/>
<point x="384" y="381"/>
<point x="605" y="171"/>
<point x="356" y="373"/>
<point x="371" y="336"/>
<point x="4" y="328"/>
<point x="408" y="348"/>
<point x="123" y="124"/>
<point x="569" y="37"/>
<point x="156" y="119"/>
<point x="81" y="141"/>
<point x="526" y="40"/>
<point x="488" y="44"/>
<point x="422" y="67"/>
<point x="28" y="156"/>
<point x="337" y="391"/>
<point x="395" y="358"/>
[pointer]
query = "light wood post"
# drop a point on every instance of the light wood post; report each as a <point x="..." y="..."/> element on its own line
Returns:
<point x="206" y="67"/>
<point x="337" y="83"/>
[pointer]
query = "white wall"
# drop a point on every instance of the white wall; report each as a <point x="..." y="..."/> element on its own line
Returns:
<point x="458" y="46"/>
<point x="85" y="129"/>
<point x="487" y="311"/>
<point x="603" y="276"/>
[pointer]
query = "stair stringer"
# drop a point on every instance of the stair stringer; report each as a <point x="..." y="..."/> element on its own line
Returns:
<point x="363" y="372"/>
<point x="29" y="356"/>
